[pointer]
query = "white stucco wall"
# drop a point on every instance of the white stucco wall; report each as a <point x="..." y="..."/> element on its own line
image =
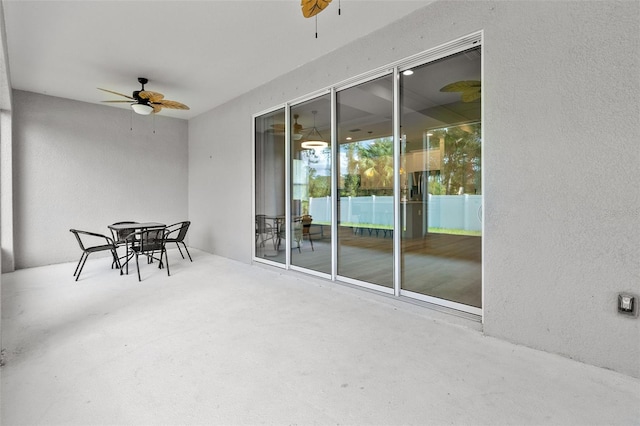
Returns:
<point x="79" y="165"/>
<point x="562" y="222"/>
<point x="6" y="193"/>
<point x="561" y="163"/>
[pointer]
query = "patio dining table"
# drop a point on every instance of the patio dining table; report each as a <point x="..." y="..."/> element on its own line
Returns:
<point x="137" y="226"/>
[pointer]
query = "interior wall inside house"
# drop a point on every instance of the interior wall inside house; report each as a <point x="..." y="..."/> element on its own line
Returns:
<point x="560" y="163"/>
<point x="85" y="166"/>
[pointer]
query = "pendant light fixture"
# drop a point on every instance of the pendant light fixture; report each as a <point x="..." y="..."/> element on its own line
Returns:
<point x="314" y="139"/>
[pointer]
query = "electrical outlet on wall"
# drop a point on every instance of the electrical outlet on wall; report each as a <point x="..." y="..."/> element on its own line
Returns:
<point x="628" y="304"/>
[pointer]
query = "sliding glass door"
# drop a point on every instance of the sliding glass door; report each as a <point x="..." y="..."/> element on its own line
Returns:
<point x="377" y="182"/>
<point x="311" y="158"/>
<point x="269" y="184"/>
<point x="365" y="185"/>
<point x="441" y="186"/>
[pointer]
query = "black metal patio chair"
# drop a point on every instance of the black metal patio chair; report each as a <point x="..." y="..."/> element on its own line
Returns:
<point x="264" y="231"/>
<point x="119" y="236"/>
<point x="147" y="242"/>
<point x="176" y="234"/>
<point x="91" y="242"/>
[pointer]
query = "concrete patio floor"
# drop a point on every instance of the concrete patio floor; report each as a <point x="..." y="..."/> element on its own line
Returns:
<point x="224" y="343"/>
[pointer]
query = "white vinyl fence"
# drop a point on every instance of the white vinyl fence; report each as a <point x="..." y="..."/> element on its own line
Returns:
<point x="443" y="211"/>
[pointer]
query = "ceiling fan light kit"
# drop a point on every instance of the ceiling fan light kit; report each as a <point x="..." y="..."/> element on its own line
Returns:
<point x="142" y="109"/>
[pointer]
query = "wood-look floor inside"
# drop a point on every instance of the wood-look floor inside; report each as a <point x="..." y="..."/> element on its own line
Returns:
<point x="440" y="265"/>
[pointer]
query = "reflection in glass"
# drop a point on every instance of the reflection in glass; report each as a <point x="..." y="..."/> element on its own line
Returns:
<point x="311" y="185"/>
<point x="365" y="129"/>
<point x="441" y="187"/>
<point x="270" y="185"/>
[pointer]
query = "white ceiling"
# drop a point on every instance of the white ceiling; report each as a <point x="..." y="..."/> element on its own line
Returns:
<point x="201" y="53"/>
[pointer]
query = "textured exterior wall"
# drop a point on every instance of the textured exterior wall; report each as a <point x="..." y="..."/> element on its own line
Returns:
<point x="560" y="89"/>
<point x="78" y="165"/>
<point x="6" y="193"/>
<point x="560" y="94"/>
<point x="220" y="181"/>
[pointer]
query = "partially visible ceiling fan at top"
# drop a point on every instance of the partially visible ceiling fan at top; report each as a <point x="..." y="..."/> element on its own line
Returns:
<point x="470" y="90"/>
<point x="144" y="101"/>
<point x="313" y="7"/>
<point x="297" y="128"/>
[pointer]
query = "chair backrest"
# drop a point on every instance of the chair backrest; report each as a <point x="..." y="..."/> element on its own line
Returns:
<point x="146" y="240"/>
<point x="297" y="228"/>
<point x="75" y="232"/>
<point x="120" y="234"/>
<point x="93" y="241"/>
<point x="183" y="230"/>
<point x="306" y="223"/>
<point x="261" y="224"/>
<point x="177" y="234"/>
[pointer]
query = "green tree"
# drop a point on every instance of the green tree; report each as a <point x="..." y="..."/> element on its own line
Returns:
<point x="461" y="165"/>
<point x="319" y="186"/>
<point x="351" y="181"/>
<point x="376" y="164"/>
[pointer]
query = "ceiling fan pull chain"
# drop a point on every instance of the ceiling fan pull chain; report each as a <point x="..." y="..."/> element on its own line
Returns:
<point x="316" y="26"/>
<point x="131" y="121"/>
<point x="338" y="7"/>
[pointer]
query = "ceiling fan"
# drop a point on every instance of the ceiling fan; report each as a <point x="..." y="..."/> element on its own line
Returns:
<point x="313" y="7"/>
<point x="471" y="90"/>
<point x="297" y="128"/>
<point x="146" y="102"/>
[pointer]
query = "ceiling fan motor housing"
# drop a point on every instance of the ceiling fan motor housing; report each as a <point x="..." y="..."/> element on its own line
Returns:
<point x="136" y="93"/>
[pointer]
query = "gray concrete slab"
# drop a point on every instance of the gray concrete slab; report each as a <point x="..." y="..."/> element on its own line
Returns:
<point x="224" y="343"/>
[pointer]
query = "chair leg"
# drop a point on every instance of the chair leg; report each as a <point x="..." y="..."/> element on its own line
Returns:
<point x="311" y="241"/>
<point x="137" y="267"/>
<point x="78" y="265"/>
<point x="187" y="250"/>
<point x="86" y="255"/>
<point x="166" y="259"/>
<point x="126" y="262"/>
<point x="116" y="259"/>
<point x="179" y="249"/>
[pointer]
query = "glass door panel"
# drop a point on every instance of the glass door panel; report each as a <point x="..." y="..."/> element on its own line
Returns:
<point x="270" y="186"/>
<point x="365" y="203"/>
<point x="441" y="191"/>
<point x="311" y="184"/>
